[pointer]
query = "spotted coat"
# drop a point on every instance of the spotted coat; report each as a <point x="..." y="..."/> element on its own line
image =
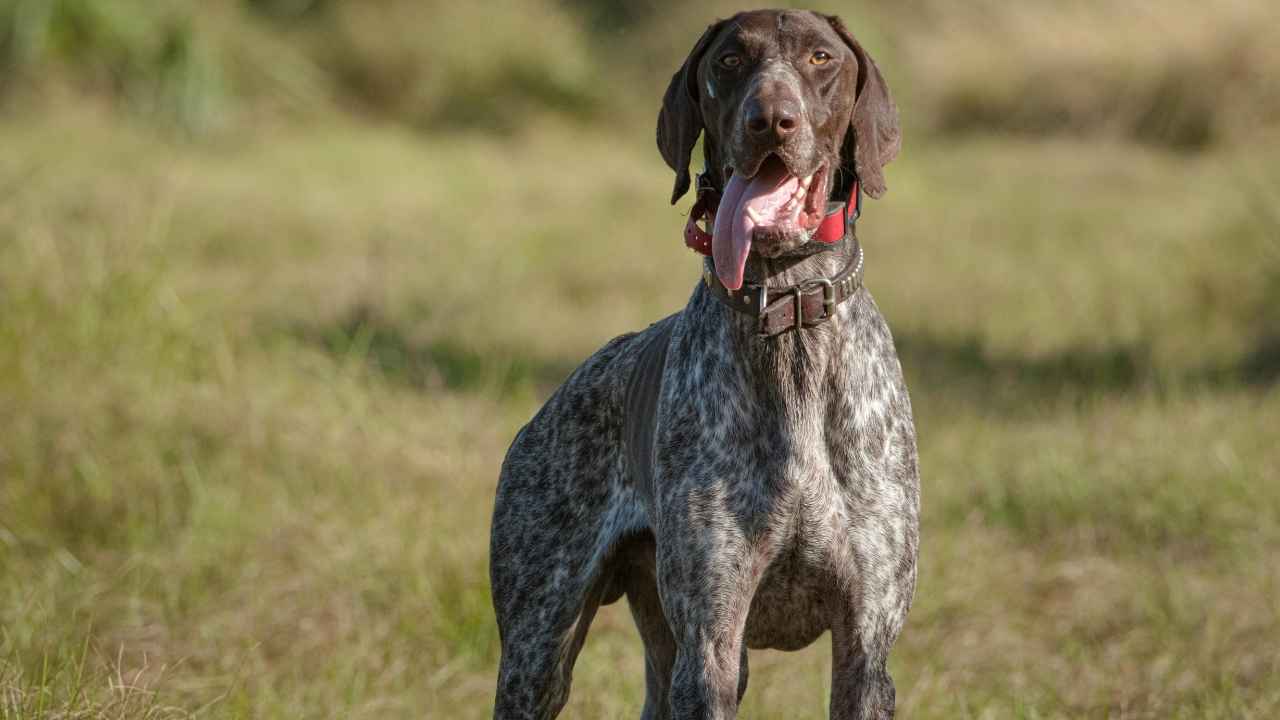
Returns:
<point x="783" y="504"/>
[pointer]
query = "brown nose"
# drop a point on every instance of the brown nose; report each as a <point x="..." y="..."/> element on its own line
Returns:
<point x="776" y="118"/>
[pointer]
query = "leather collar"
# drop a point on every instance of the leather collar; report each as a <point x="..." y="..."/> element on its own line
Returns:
<point x="778" y="310"/>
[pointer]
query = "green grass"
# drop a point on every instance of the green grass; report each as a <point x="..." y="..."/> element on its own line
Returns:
<point x="256" y="384"/>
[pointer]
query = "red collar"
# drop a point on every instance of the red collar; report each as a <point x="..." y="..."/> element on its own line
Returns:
<point x="834" y="226"/>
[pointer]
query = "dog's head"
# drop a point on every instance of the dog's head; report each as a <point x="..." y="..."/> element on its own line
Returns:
<point x="790" y="104"/>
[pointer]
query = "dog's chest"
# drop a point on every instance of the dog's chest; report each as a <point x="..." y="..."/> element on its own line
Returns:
<point x="793" y="468"/>
<point x="790" y="607"/>
<point x="825" y="496"/>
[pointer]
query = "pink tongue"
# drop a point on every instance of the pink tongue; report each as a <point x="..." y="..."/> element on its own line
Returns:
<point x="765" y="194"/>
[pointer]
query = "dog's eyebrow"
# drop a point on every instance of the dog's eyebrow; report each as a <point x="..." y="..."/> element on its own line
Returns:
<point x="814" y="36"/>
<point x="733" y="32"/>
<point x="744" y="35"/>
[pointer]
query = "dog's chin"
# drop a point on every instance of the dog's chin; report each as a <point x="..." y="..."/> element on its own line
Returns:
<point x="776" y="241"/>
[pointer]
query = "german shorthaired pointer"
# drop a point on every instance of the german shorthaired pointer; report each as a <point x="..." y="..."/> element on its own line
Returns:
<point x="743" y="471"/>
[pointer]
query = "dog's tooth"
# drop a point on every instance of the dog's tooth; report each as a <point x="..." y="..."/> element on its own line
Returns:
<point x="800" y="193"/>
<point x="755" y="217"/>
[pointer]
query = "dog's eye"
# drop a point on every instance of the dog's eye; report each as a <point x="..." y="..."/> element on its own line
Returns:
<point x="820" y="57"/>
<point x="732" y="60"/>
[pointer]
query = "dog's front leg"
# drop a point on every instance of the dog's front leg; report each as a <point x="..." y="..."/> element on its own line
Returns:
<point x="706" y="580"/>
<point x="861" y="688"/>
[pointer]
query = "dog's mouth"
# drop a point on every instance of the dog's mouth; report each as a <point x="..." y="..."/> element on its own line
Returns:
<point x="774" y="204"/>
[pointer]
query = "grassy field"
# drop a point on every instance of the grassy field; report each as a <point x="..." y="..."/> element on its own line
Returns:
<point x="265" y="335"/>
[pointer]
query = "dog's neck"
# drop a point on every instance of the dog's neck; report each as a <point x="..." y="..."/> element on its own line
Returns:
<point x="795" y="360"/>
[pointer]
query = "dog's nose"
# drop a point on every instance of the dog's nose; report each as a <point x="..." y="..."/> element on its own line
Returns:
<point x="778" y="119"/>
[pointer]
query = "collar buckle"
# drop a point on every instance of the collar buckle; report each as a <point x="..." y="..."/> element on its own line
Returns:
<point x="828" y="295"/>
<point x="797" y="293"/>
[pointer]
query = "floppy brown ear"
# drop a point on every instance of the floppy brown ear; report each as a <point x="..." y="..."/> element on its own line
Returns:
<point x="877" y="138"/>
<point x="680" y="119"/>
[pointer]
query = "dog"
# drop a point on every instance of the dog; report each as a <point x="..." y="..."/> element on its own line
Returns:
<point x="743" y="471"/>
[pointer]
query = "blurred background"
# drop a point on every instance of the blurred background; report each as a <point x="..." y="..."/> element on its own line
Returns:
<point x="280" y="279"/>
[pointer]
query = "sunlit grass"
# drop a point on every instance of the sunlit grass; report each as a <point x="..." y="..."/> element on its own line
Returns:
<point x="257" y="448"/>
<point x="255" y="387"/>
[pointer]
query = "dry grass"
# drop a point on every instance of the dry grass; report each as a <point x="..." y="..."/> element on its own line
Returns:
<point x="1183" y="74"/>
<point x="253" y="408"/>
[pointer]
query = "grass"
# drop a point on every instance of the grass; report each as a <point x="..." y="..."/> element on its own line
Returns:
<point x="256" y="383"/>
<point x="1180" y="75"/>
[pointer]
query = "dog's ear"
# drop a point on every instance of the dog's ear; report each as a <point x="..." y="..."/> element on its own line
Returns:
<point x="680" y="119"/>
<point x="877" y="137"/>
